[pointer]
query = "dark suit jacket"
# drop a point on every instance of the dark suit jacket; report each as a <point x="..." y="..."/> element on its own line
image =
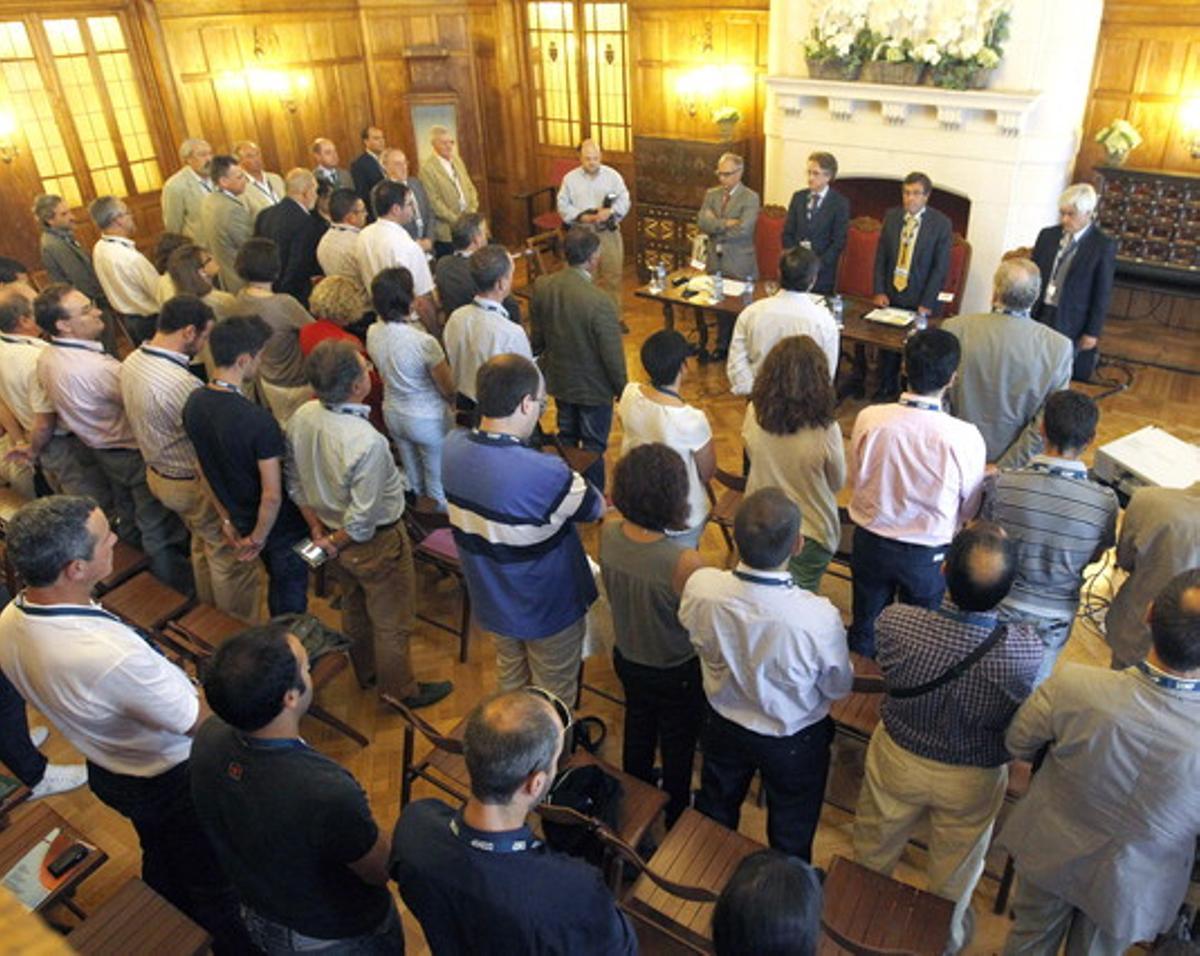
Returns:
<point x="422" y="199"/>
<point x="929" y="265"/>
<point x="366" y="172"/>
<point x="296" y="233"/>
<point x="456" y="286"/>
<point x="1087" y="287"/>
<point x="826" y="232"/>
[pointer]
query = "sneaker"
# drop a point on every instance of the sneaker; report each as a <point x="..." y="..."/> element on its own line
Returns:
<point x="38" y="735"/>
<point x="428" y="694"/>
<point x="59" y="778"/>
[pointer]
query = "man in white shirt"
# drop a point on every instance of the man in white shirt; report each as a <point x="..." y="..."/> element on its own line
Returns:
<point x="184" y="191"/>
<point x="130" y="281"/>
<point x="263" y="189"/>
<point x="337" y="252"/>
<point x="773" y="658"/>
<point x="446" y="180"/>
<point x="481" y="329"/>
<point x="386" y="243"/>
<point x="791" y="311"/>
<point x="119" y="701"/>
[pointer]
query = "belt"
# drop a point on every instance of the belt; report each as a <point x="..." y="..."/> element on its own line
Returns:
<point x="163" y="474"/>
<point x="389" y="525"/>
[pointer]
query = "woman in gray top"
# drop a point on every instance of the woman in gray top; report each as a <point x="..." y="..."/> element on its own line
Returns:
<point x="644" y="573"/>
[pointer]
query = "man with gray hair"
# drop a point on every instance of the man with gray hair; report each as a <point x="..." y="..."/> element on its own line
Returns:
<point x="225" y="220"/>
<point x="296" y="229"/>
<point x="327" y="169"/>
<point x="1077" y="262"/>
<point x="129" y="279"/>
<point x="728" y="216"/>
<point x="263" y="189"/>
<point x="420" y="226"/>
<point x="186" y="189"/>
<point x="62" y="255"/>
<point x="1010" y="366"/>
<point x="446" y="180"/>
<point x="477" y="878"/>
<point x="341" y="474"/>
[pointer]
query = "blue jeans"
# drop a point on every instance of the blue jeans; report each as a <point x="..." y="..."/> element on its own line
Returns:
<point x="1053" y="633"/>
<point x="275" y="939"/>
<point x="587" y="427"/>
<point x="420" y="440"/>
<point x="287" y="578"/>
<point x="884" y="569"/>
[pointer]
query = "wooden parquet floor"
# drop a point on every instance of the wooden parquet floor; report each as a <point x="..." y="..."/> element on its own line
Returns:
<point x="1165" y="398"/>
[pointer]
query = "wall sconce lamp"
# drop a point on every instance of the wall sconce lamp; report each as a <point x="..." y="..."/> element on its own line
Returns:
<point x="705" y="85"/>
<point x="280" y="83"/>
<point x="9" y="150"/>
<point x="1189" y="122"/>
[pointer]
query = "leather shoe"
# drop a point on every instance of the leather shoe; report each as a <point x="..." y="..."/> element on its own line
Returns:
<point x="428" y="694"/>
<point x="851" y="390"/>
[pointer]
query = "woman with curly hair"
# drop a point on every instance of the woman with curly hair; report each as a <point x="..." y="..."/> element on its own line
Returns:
<point x="644" y="570"/>
<point x="795" y="444"/>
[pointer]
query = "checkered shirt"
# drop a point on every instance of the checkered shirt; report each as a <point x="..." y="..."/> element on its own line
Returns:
<point x="963" y="721"/>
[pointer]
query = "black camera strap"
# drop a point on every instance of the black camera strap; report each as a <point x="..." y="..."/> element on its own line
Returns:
<point x="953" y="672"/>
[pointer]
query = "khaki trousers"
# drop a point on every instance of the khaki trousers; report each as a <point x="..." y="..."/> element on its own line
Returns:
<point x="550" y="662"/>
<point x="221" y="579"/>
<point x="611" y="265"/>
<point x="1044" y="921"/>
<point x="899" y="789"/>
<point x="378" y="584"/>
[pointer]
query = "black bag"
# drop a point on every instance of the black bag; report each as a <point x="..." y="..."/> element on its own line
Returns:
<point x="317" y="637"/>
<point x="592" y="792"/>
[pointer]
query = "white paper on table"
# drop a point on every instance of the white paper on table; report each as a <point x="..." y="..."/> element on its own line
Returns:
<point x="24" y="880"/>
<point x="891" y="316"/>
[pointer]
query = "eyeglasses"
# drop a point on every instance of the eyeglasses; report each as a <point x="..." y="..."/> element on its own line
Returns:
<point x="726" y="172"/>
<point x="560" y="707"/>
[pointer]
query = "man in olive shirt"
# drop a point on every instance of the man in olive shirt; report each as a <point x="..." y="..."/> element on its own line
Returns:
<point x="574" y="331"/>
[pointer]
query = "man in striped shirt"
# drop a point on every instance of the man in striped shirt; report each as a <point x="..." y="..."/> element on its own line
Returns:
<point x="513" y="511"/>
<point x="1059" y="520"/>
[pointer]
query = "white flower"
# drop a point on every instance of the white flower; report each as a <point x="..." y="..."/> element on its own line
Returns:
<point x="988" y="58"/>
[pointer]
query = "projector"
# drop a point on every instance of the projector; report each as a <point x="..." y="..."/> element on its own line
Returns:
<point x="1148" y="457"/>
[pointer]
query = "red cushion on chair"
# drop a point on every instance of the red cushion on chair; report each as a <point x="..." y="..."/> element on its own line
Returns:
<point x="768" y="240"/>
<point x="956" y="275"/>
<point x="856" y="270"/>
<point x="547" y="221"/>
<point x="441" y="543"/>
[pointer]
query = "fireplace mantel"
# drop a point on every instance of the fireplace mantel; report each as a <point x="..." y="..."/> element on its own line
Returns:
<point x="1007" y="110"/>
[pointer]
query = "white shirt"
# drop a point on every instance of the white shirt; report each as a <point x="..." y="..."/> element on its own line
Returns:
<point x="119" y="702"/>
<point x="580" y="192"/>
<point x="337" y="252"/>
<point x="761" y="325"/>
<point x="18" y="375"/>
<point x="384" y="244"/>
<point x="130" y="282"/>
<point x="773" y="655"/>
<point x="473" y="334"/>
<point x="404" y="354"/>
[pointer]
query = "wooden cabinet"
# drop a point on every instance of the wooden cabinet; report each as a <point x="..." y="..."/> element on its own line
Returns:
<point x="672" y="178"/>
<point x="1155" y="218"/>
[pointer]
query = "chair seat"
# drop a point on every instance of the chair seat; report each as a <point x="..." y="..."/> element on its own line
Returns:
<point x="641" y="802"/>
<point x="858" y="713"/>
<point x="137" y="920"/>
<point x="145" y="602"/>
<point x="440" y="543"/>
<point x="127" y="561"/>
<point x="547" y="221"/>
<point x="212" y="625"/>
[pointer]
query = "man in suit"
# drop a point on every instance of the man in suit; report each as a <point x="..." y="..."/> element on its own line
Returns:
<point x="263" y="189"/>
<point x="727" y="216"/>
<point x="451" y="192"/>
<point x="1010" y="366"/>
<point x="296" y="230"/>
<point x="574" y="331"/>
<point x="183" y="192"/>
<point x="818" y="219"/>
<point x="420" y="224"/>
<point x="367" y="169"/>
<point x="452" y="275"/>
<point x="1077" y="262"/>
<point x="225" y="221"/>
<point x="911" y="264"/>
<point x="325" y="155"/>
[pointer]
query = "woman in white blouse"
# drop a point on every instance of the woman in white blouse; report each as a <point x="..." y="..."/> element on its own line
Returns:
<point x="795" y="444"/>
<point x="656" y="413"/>
<point x="417" y="385"/>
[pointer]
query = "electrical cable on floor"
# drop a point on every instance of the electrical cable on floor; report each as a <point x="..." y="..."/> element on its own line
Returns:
<point x="1094" y="607"/>
<point x="1111" y="385"/>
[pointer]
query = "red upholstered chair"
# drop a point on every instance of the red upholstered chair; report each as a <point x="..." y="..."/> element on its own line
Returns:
<point x="856" y="268"/>
<point x="549" y="219"/>
<point x="768" y="240"/>
<point x="956" y="277"/>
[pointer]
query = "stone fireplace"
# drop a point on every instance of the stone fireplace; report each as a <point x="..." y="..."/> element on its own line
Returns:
<point x="1008" y="151"/>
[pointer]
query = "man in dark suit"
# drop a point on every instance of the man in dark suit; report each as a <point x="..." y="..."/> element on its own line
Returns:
<point x="911" y="264"/>
<point x="367" y="170"/>
<point x="818" y="218"/>
<point x="296" y="229"/>
<point x="1077" y="262"/>
<point x="420" y="224"/>
<point x="327" y="170"/>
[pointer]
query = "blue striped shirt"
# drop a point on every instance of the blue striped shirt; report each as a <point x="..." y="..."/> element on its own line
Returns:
<point x="513" y="511"/>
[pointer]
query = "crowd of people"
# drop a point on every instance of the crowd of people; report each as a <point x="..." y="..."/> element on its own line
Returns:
<point x="315" y="354"/>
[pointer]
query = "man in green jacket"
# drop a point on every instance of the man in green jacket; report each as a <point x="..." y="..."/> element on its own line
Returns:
<point x="577" y="338"/>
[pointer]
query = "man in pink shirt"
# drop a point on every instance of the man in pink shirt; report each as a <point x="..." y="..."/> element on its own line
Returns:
<point x="917" y="477"/>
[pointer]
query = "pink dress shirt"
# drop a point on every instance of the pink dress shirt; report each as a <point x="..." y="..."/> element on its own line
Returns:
<point x="916" y="472"/>
<point x="82" y="385"/>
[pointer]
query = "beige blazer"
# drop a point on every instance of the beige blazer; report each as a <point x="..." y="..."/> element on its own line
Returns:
<point x="443" y="195"/>
<point x="225" y="224"/>
<point x="182" y="195"/>
<point x="256" y="198"/>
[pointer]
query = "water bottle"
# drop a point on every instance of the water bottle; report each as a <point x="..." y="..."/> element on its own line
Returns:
<point x="718" y="286"/>
<point x="838" y="308"/>
<point x="660" y="275"/>
<point x="748" y="289"/>
<point x="922" y="322"/>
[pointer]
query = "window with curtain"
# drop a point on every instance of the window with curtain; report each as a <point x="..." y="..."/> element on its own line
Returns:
<point x="75" y="94"/>
<point x="579" y="53"/>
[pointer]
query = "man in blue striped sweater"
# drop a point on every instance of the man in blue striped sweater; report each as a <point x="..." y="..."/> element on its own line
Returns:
<point x="513" y="511"/>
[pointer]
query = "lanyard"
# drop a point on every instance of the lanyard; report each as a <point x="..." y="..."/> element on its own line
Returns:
<point x="925" y="406"/>
<point x="497" y="437"/>
<point x="348" y="408"/>
<point x="16" y="340"/>
<point x="265" y="188"/>
<point x="224" y="386"/>
<point x="59" y="344"/>
<point x="1166" y="680"/>
<point x="762" y="579"/>
<point x="490" y="305"/>
<point x="667" y="391"/>
<point x="1057" y="470"/>
<point x="164" y="356"/>
<point x="513" y="841"/>
<point x="77" y="610"/>
<point x="280" y="743"/>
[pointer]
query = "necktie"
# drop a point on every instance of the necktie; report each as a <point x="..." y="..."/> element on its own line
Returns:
<point x="813" y="202"/>
<point x="462" y="196"/>
<point x="724" y="203"/>
<point x="907" y="236"/>
<point x="1063" y="248"/>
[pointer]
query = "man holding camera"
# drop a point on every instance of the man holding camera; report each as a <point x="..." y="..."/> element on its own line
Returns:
<point x="595" y="196"/>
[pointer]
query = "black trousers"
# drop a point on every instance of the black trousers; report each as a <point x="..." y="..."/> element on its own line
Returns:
<point x="17" y="751"/>
<point x="889" y="370"/>
<point x="883" y="570"/>
<point x="177" y="860"/>
<point x="793" y="771"/>
<point x="664" y="708"/>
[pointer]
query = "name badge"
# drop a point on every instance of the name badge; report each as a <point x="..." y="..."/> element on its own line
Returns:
<point x="900" y="271"/>
<point x="804" y="243"/>
<point x="1051" y="290"/>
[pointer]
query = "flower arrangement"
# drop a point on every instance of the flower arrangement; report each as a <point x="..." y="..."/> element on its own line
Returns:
<point x="1119" y="138"/>
<point x="964" y="42"/>
<point x="840" y="41"/>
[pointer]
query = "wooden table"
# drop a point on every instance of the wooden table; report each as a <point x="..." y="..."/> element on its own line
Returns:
<point x="696" y="852"/>
<point x="28" y="826"/>
<point x="138" y="920"/>
<point x="13" y="799"/>
<point x="869" y="908"/>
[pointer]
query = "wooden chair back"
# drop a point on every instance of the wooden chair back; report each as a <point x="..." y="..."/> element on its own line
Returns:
<point x="768" y="240"/>
<point x="856" y="268"/>
<point x="956" y="276"/>
<point x="423" y="727"/>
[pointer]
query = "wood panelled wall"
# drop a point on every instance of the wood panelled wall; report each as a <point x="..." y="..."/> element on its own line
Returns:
<point x="1147" y="66"/>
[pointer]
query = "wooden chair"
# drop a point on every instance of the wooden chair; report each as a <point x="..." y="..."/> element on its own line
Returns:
<point x="444" y="766"/>
<point x="28" y="827"/>
<point x="548" y="220"/>
<point x="956" y="275"/>
<point x="145" y="602"/>
<point x="580" y="459"/>
<point x="541" y="258"/>
<point x="725" y="505"/>
<point x="127" y="561"/>
<point x="856" y="267"/>
<point x="13" y="799"/>
<point x="839" y="564"/>
<point x="137" y="920"/>
<point x="869" y="914"/>
<point x="433" y="546"/>
<point x="768" y="240"/>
